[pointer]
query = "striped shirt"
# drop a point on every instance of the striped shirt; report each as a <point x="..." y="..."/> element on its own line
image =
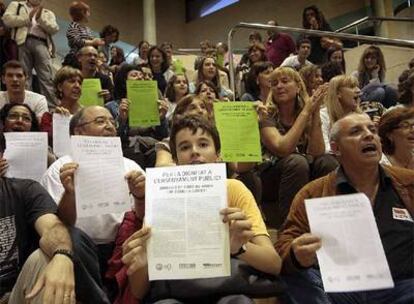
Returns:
<point x="76" y="35"/>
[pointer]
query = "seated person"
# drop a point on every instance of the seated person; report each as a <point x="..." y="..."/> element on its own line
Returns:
<point x="20" y="118"/>
<point x="88" y="59"/>
<point x="355" y="142"/>
<point x="294" y="151"/>
<point x="41" y="270"/>
<point x="371" y="78"/>
<point x="59" y="182"/>
<point x="396" y="130"/>
<point x="14" y="77"/>
<point x="193" y="141"/>
<point x="303" y="50"/>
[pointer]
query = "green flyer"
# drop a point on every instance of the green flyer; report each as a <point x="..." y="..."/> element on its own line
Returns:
<point x="238" y="127"/>
<point x="143" y="107"/>
<point x="90" y="89"/>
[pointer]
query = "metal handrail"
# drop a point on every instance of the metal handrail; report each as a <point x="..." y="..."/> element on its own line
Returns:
<point x="346" y="36"/>
<point x="369" y="18"/>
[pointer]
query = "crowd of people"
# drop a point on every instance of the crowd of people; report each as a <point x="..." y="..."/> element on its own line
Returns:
<point x="324" y="131"/>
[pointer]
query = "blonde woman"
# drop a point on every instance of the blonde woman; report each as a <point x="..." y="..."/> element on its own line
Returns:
<point x="292" y="137"/>
<point x="342" y="98"/>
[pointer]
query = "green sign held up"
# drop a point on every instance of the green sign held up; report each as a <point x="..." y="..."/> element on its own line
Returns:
<point x="238" y="127"/>
<point x="143" y="107"/>
<point x="90" y="89"/>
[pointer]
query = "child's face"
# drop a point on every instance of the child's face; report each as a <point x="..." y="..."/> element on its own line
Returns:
<point x="195" y="148"/>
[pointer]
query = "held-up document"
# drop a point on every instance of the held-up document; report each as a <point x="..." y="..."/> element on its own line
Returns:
<point x="100" y="184"/>
<point x="188" y="237"/>
<point x="61" y="137"/>
<point x="352" y="257"/>
<point x="26" y="154"/>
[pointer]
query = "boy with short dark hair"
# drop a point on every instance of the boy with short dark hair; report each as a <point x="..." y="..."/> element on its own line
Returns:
<point x="195" y="140"/>
<point x="303" y="50"/>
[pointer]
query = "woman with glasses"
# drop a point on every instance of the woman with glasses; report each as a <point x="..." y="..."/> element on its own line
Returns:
<point x="20" y="118"/>
<point x="396" y="129"/>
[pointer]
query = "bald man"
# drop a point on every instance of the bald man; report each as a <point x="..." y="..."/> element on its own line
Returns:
<point x="355" y="142"/>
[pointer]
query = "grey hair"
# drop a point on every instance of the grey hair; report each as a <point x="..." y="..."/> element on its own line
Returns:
<point x="76" y="120"/>
<point x="336" y="127"/>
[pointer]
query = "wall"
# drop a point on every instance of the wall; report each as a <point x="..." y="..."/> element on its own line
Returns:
<point x="171" y="26"/>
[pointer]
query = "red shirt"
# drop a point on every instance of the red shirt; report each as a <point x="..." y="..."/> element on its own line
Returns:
<point x="278" y="48"/>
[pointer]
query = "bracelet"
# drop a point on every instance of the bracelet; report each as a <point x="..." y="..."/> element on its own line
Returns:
<point x="65" y="252"/>
<point x="242" y="250"/>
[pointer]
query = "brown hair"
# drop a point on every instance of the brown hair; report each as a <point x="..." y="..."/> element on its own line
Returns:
<point x="77" y="10"/>
<point x="389" y="122"/>
<point x="65" y="73"/>
<point x="193" y="123"/>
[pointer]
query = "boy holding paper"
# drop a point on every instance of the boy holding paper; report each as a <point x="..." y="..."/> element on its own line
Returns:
<point x="195" y="141"/>
<point x="356" y="144"/>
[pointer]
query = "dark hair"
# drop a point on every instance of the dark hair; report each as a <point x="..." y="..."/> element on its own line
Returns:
<point x="109" y="30"/>
<point x="164" y="65"/>
<point x="77" y="10"/>
<point x="208" y="83"/>
<point x="170" y="92"/>
<point x="405" y="83"/>
<point x="255" y="35"/>
<point x="250" y="82"/>
<point x="120" y="89"/>
<point x="7" y="108"/>
<point x="319" y="17"/>
<point x="331" y="69"/>
<point x="2" y="142"/>
<point x="389" y="122"/>
<point x="12" y="64"/>
<point x="200" y="76"/>
<point x="76" y="120"/>
<point x="301" y="40"/>
<point x="119" y="57"/>
<point x="193" y="123"/>
<point x="333" y="49"/>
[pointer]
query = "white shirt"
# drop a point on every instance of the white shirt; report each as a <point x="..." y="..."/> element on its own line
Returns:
<point x="326" y="127"/>
<point x="293" y="62"/>
<point x="36" y="102"/>
<point x="101" y="229"/>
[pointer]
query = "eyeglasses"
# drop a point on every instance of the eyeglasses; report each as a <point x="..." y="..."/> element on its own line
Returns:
<point x="101" y="121"/>
<point x="405" y="125"/>
<point x="16" y="116"/>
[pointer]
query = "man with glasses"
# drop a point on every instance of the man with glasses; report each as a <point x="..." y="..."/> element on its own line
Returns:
<point x="88" y="58"/>
<point x="14" y="77"/>
<point x="59" y="181"/>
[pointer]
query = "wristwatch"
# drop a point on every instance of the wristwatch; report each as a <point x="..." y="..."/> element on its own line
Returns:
<point x="242" y="250"/>
<point x="66" y="252"/>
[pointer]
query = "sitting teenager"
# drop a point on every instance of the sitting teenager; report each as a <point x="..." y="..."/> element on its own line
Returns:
<point x="177" y="88"/>
<point x="158" y="63"/>
<point x="303" y="50"/>
<point x="194" y="140"/>
<point x="371" y="78"/>
<point x="292" y="138"/>
<point x="208" y="91"/>
<point x="396" y="130"/>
